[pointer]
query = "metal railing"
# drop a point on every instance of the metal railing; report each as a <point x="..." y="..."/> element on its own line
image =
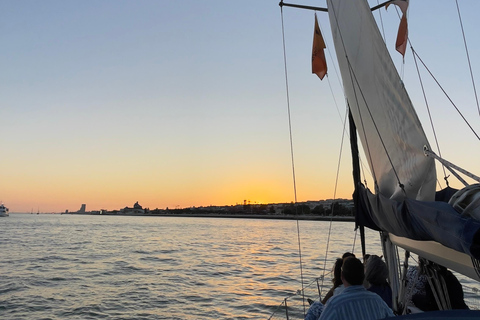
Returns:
<point x="292" y="307"/>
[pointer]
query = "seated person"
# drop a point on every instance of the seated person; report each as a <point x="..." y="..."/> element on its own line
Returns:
<point x="337" y="281"/>
<point x="355" y="302"/>
<point x="376" y="274"/>
<point x="427" y="302"/>
<point x="314" y="311"/>
<point x="316" y="307"/>
<point x="415" y="281"/>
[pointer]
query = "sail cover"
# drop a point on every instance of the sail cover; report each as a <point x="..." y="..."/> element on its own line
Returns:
<point x="418" y="220"/>
<point x="388" y="126"/>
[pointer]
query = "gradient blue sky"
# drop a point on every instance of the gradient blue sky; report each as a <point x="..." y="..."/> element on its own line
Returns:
<point x="183" y="103"/>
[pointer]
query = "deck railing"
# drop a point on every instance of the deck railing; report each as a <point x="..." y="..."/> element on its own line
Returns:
<point x="296" y="305"/>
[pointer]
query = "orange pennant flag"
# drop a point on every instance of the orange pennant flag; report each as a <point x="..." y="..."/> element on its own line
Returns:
<point x="402" y="35"/>
<point x="319" y="63"/>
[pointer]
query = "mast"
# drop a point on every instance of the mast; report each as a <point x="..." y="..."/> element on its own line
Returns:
<point x="356" y="174"/>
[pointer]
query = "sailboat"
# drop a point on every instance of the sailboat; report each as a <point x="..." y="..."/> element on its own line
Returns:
<point x="403" y="204"/>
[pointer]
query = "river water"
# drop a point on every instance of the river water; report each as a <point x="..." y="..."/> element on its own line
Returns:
<point x="120" y="267"/>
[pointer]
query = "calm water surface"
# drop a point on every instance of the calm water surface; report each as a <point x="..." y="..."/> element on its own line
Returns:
<point x="115" y="267"/>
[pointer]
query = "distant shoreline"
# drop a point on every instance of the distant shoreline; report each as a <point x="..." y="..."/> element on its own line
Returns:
<point x="234" y="216"/>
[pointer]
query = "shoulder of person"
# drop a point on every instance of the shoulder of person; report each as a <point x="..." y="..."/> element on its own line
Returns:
<point x="346" y="293"/>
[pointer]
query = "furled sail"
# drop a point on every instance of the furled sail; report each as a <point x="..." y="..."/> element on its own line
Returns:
<point x="387" y="124"/>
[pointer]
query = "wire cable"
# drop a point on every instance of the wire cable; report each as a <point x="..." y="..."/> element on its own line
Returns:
<point x="292" y="153"/>
<point x="468" y="56"/>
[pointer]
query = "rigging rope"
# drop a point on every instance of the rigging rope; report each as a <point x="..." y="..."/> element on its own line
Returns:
<point x="354" y="81"/>
<point x="468" y="56"/>
<point x="428" y="110"/>
<point x="450" y="165"/>
<point x="293" y="164"/>
<point x="334" y="197"/>
<point x="364" y="168"/>
<point x="381" y="22"/>
<point x="354" y="77"/>
<point x="346" y="57"/>
<point x="344" y="132"/>
<point x="445" y="93"/>
<point x="292" y="154"/>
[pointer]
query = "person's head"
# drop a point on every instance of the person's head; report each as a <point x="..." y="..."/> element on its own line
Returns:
<point x="352" y="272"/>
<point x="365" y="258"/>
<point x="376" y="271"/>
<point x="337" y="272"/>
<point x="348" y="254"/>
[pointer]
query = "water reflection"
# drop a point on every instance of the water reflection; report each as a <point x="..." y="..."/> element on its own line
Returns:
<point x="70" y="267"/>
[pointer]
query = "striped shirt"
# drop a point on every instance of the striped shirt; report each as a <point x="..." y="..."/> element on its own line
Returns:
<point x="356" y="303"/>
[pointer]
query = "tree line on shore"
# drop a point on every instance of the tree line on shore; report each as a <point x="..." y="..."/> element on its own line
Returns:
<point x="290" y="209"/>
<point x="337" y="209"/>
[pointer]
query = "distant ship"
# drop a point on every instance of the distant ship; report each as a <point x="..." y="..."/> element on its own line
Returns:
<point x="3" y="211"/>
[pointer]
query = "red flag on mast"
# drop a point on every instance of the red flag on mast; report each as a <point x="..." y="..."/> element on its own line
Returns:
<point x="319" y="63"/>
<point x="402" y="36"/>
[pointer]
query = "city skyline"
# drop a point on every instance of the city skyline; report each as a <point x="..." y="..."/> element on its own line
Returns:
<point x="184" y="103"/>
<point x="85" y="209"/>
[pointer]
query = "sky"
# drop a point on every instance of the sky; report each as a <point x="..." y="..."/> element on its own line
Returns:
<point x="184" y="103"/>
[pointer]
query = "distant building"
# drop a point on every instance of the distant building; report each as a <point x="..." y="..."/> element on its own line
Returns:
<point x="82" y="208"/>
<point x="137" y="209"/>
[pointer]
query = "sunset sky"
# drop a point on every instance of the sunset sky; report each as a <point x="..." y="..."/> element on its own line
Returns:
<point x="183" y="103"/>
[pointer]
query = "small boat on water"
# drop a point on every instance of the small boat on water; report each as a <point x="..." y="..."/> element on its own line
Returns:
<point x="3" y="211"/>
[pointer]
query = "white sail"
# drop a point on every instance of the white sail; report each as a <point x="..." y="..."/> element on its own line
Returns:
<point x="394" y="141"/>
<point x="387" y="124"/>
<point x="403" y="207"/>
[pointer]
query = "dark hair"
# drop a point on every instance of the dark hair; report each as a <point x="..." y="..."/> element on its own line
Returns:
<point x="337" y="273"/>
<point x="365" y="258"/>
<point x="352" y="271"/>
<point x="348" y="254"/>
<point x="376" y="271"/>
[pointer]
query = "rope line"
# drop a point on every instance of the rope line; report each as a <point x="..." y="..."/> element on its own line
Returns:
<point x="445" y="93"/>
<point x="468" y="56"/>
<point x="381" y="23"/>
<point x="346" y="57"/>
<point x="429" y="113"/>
<point x="354" y="81"/>
<point x="334" y="197"/>
<point x="292" y="154"/>
<point x="450" y="165"/>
